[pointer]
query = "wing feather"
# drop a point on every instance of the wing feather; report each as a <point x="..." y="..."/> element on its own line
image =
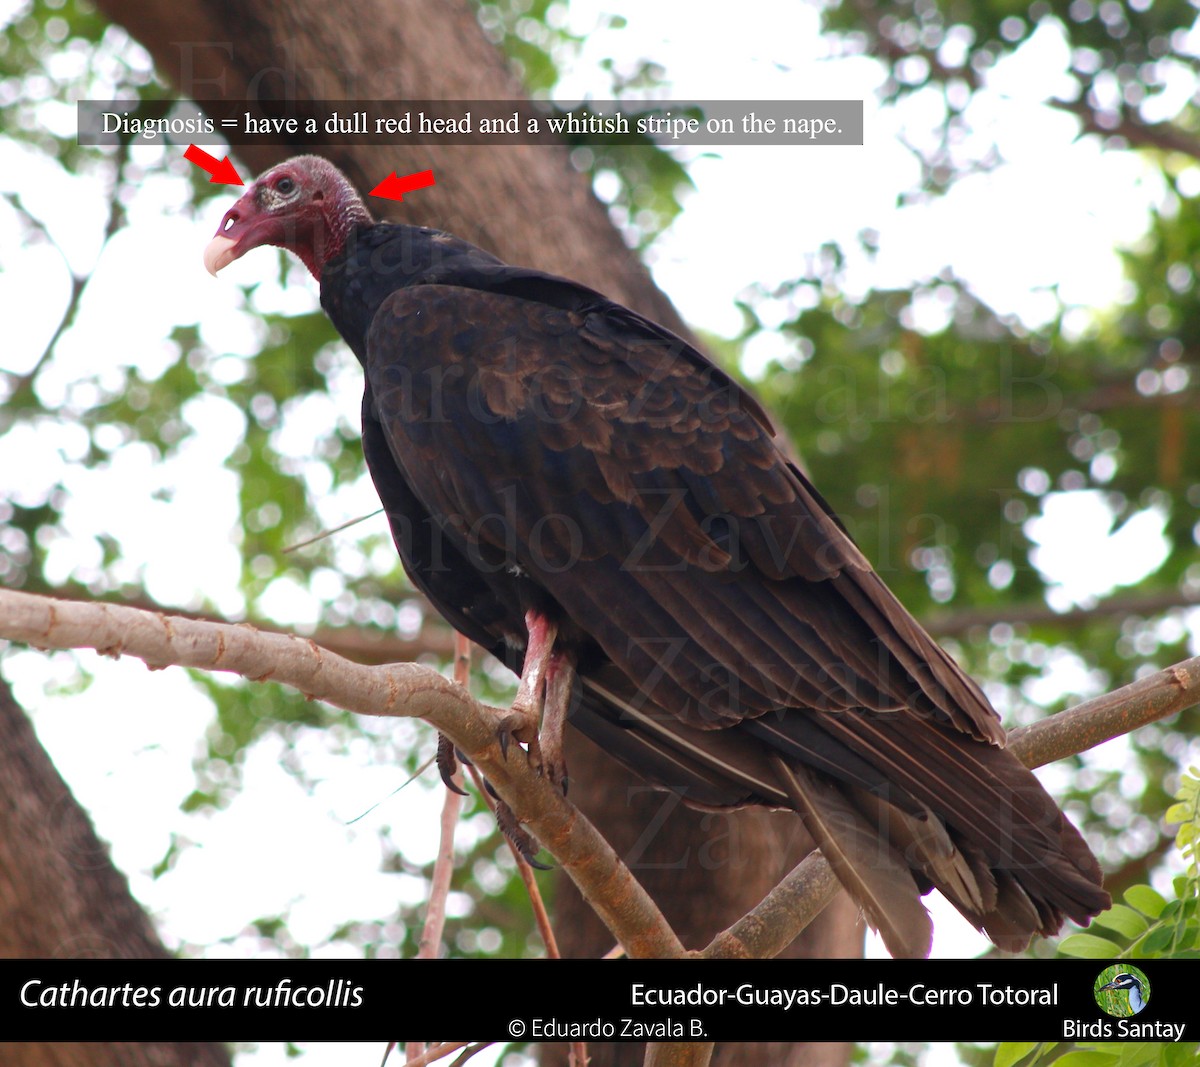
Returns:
<point x="735" y="644"/>
<point x="864" y="862"/>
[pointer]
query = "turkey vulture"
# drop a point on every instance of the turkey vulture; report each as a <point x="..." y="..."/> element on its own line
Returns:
<point x="585" y="495"/>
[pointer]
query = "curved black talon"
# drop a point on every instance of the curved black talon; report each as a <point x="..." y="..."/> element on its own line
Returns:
<point x="524" y="842"/>
<point x="504" y="734"/>
<point x="447" y="764"/>
<point x="509" y="731"/>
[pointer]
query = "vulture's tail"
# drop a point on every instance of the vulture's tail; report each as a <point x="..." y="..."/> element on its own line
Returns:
<point x="898" y="803"/>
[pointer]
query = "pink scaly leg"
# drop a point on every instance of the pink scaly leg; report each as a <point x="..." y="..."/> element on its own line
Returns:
<point x="560" y="688"/>
<point x="539" y="711"/>
<point x="541" y="688"/>
<point x="525" y="716"/>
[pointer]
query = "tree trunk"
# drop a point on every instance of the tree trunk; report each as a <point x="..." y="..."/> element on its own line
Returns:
<point x="61" y="897"/>
<point x="528" y="205"/>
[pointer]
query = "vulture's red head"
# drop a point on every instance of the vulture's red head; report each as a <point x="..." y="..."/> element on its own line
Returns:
<point x="305" y="205"/>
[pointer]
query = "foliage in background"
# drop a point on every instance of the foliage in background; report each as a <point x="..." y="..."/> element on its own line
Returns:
<point x="1099" y="1054"/>
<point x="961" y="436"/>
<point x="1145" y="927"/>
<point x="1148" y="926"/>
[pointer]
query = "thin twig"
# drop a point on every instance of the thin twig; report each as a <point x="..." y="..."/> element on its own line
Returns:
<point x="443" y="868"/>
<point x="436" y="1052"/>
<point x="330" y="532"/>
<point x="23" y="384"/>
<point x="462" y="660"/>
<point x="470" y="1052"/>
<point x="540" y="915"/>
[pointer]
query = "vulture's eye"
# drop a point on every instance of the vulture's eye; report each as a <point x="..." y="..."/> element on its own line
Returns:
<point x="286" y="186"/>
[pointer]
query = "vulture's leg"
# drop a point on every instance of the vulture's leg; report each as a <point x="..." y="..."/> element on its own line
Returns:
<point x="560" y="689"/>
<point x="539" y="712"/>
<point x="523" y="719"/>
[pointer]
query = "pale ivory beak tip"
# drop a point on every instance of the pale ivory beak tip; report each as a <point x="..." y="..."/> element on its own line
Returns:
<point x="219" y="253"/>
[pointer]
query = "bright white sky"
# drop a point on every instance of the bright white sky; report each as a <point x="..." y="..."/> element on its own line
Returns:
<point x="125" y="744"/>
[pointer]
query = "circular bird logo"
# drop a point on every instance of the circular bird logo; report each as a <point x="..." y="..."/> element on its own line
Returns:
<point x="1122" y="991"/>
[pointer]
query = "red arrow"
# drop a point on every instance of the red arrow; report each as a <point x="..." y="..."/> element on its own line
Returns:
<point x="223" y="172"/>
<point x="393" y="188"/>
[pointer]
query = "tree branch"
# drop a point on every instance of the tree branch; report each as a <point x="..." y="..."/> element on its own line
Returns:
<point x="400" y="689"/>
<point x="794" y="903"/>
<point x="359" y="643"/>
<point x="956" y="623"/>
<point x="435" y="638"/>
<point x="1107" y="716"/>
<point x="416" y="691"/>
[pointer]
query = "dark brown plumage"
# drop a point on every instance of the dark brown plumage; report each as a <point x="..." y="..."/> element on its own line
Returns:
<point x="585" y="495"/>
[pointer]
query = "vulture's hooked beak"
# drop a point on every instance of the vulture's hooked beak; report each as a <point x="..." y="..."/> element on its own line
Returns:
<point x="237" y="224"/>
<point x="220" y="252"/>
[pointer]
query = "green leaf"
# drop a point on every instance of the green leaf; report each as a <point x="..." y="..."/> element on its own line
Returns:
<point x="1082" y="1058"/>
<point x="1146" y="900"/>
<point x="1088" y="947"/>
<point x="1157" y="940"/>
<point x="1179" y="1054"/>
<point x="196" y="800"/>
<point x="1010" y="1052"/>
<point x="1138" y="1054"/>
<point x="1178" y="813"/>
<point x="1124" y="920"/>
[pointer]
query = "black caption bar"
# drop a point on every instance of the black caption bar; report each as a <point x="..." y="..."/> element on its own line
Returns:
<point x="542" y="1000"/>
<point x="477" y="122"/>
